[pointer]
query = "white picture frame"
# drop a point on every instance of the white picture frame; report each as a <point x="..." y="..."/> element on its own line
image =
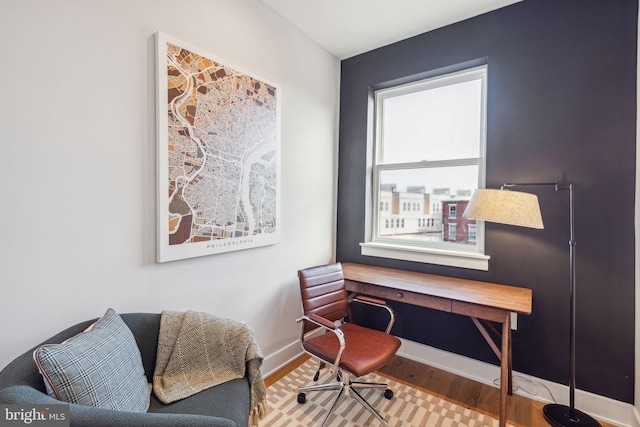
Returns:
<point x="218" y="154"/>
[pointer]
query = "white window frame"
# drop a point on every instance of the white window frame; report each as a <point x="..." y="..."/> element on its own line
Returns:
<point x="453" y="210"/>
<point x="453" y="231"/>
<point x="473" y="232"/>
<point x="442" y="254"/>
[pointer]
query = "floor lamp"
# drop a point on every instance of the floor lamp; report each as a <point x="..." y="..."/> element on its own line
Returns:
<point x="522" y="209"/>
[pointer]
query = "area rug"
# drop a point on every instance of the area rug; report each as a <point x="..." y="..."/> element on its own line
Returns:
<point x="409" y="407"/>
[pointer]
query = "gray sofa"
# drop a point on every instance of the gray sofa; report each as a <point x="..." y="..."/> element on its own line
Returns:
<point x="224" y="405"/>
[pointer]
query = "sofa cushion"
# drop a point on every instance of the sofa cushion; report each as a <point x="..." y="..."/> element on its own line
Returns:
<point x="99" y="367"/>
<point x="230" y="400"/>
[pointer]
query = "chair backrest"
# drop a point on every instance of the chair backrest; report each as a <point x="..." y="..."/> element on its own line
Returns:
<point x="323" y="293"/>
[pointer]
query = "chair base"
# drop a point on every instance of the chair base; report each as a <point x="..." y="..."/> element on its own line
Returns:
<point x="345" y="386"/>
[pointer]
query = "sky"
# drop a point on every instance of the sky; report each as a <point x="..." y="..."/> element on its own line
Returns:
<point x="436" y="124"/>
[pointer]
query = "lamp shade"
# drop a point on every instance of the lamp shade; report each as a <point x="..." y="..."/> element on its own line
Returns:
<point x="505" y="207"/>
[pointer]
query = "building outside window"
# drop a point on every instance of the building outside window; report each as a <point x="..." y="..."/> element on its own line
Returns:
<point x="429" y="151"/>
<point x="456" y="228"/>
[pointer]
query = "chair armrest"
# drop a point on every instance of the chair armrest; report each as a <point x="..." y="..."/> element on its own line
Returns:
<point x="323" y="323"/>
<point x="319" y="320"/>
<point x="329" y="326"/>
<point x="365" y="299"/>
<point x="376" y="303"/>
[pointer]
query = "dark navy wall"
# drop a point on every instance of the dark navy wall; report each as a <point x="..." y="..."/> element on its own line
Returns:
<point x="561" y="106"/>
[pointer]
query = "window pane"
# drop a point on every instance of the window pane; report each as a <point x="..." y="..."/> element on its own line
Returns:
<point x="434" y="124"/>
<point x="426" y="205"/>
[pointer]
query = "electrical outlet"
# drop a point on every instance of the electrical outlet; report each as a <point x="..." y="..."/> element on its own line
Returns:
<point x="514" y="321"/>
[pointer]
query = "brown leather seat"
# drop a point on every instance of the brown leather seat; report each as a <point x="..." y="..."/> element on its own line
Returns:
<point x="350" y="349"/>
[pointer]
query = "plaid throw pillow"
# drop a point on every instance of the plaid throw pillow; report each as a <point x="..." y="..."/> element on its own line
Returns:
<point x="99" y="367"/>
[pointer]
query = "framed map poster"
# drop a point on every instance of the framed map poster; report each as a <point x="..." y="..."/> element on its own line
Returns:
<point x="218" y="155"/>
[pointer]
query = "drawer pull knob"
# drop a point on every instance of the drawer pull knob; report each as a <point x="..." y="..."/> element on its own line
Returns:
<point x="399" y="295"/>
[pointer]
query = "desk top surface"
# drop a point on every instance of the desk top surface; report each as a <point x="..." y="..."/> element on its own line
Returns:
<point x="511" y="298"/>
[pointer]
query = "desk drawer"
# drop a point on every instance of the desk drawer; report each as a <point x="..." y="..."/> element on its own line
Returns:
<point x="408" y="297"/>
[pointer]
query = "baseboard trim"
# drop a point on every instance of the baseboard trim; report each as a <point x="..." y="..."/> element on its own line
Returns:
<point x="603" y="408"/>
<point x="281" y="358"/>
<point x="636" y="417"/>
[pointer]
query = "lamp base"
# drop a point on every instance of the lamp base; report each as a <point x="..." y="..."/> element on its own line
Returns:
<point x="558" y="416"/>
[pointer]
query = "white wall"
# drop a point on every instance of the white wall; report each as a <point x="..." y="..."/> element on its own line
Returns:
<point x="77" y="166"/>
<point x="637" y="236"/>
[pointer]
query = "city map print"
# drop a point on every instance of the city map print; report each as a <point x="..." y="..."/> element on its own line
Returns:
<point x="220" y="148"/>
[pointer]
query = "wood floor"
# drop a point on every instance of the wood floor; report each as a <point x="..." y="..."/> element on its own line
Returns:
<point x="522" y="411"/>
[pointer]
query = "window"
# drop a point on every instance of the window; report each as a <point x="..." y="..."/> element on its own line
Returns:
<point x="472" y="232"/>
<point x="452" y="232"/>
<point x="429" y="150"/>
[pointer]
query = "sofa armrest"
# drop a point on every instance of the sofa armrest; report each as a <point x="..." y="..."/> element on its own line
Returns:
<point x="88" y="416"/>
<point x="85" y="416"/>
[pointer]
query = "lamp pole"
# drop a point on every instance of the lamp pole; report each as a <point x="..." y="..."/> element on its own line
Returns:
<point x="572" y="310"/>
<point x="561" y="415"/>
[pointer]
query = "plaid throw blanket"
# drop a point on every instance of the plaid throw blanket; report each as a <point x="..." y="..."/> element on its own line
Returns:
<point x="197" y="351"/>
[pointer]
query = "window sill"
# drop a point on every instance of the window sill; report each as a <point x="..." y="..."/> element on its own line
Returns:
<point x="471" y="260"/>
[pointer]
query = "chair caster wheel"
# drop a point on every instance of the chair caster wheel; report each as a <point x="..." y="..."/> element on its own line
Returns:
<point x="388" y="394"/>
<point x="316" y="376"/>
<point x="302" y="398"/>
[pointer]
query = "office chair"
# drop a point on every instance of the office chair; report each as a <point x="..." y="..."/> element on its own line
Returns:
<point x="350" y="350"/>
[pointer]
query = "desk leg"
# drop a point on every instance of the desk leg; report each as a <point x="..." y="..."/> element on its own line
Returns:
<point x="510" y="364"/>
<point x="505" y="369"/>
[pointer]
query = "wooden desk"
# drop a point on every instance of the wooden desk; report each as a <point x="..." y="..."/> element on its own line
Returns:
<point x="483" y="302"/>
